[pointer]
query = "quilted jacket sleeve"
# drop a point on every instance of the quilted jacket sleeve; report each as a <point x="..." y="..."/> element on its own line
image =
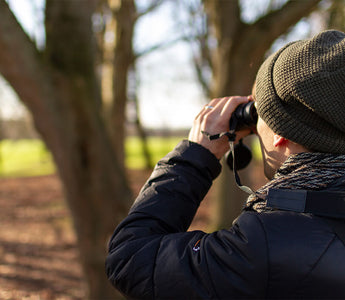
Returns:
<point x="151" y="256"/>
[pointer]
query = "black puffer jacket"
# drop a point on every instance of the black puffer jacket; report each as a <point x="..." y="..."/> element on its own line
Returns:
<point x="264" y="255"/>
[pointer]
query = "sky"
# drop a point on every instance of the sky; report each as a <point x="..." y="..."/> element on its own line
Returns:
<point x="168" y="91"/>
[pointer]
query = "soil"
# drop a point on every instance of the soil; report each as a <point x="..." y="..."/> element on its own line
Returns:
<point x="38" y="253"/>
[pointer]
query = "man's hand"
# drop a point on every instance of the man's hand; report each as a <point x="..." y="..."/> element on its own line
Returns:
<point x="214" y="118"/>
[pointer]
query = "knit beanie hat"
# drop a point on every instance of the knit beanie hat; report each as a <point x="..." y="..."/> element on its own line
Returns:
<point x="300" y="92"/>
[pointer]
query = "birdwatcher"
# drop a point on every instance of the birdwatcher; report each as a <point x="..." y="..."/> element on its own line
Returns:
<point x="289" y="240"/>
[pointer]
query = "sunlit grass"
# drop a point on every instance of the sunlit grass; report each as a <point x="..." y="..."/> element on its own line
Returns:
<point x="22" y="158"/>
<point x="157" y="146"/>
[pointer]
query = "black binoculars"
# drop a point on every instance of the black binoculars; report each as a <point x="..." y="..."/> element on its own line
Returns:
<point x="245" y="116"/>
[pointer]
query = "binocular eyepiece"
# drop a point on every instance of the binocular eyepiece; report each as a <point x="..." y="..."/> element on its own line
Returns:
<point x="245" y="116"/>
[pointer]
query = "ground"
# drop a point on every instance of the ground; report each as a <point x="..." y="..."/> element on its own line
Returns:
<point x="38" y="254"/>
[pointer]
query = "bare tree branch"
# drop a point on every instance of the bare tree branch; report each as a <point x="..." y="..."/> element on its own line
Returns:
<point x="199" y="72"/>
<point x="162" y="46"/>
<point x="155" y="4"/>
<point x="255" y="39"/>
<point x="197" y="28"/>
<point x="275" y="23"/>
<point x="20" y="61"/>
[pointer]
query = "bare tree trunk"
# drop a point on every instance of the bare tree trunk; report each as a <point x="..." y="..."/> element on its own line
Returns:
<point x="123" y="60"/>
<point x="1" y="139"/>
<point x="240" y="51"/>
<point x="125" y="17"/>
<point x="60" y="89"/>
<point x="143" y="137"/>
<point x="140" y="130"/>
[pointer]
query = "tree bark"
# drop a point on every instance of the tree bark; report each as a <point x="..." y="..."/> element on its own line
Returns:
<point x="336" y="15"/>
<point x="143" y="137"/>
<point x="240" y="51"/>
<point x="125" y="17"/>
<point x="60" y="88"/>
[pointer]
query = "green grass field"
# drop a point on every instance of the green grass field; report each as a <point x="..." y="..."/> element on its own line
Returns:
<point x="158" y="147"/>
<point x="23" y="158"/>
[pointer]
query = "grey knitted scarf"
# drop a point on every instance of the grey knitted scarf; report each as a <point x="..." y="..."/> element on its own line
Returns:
<point x="308" y="171"/>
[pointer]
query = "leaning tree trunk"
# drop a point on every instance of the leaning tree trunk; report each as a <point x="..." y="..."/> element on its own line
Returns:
<point x="240" y="51"/>
<point x="60" y="89"/>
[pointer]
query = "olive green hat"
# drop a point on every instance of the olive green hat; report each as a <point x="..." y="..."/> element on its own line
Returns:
<point x="300" y="92"/>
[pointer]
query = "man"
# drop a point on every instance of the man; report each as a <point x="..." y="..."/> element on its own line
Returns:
<point x="287" y="243"/>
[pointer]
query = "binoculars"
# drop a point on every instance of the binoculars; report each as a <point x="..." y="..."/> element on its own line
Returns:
<point x="244" y="117"/>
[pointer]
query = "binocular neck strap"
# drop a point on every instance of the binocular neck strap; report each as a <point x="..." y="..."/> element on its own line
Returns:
<point x="231" y="135"/>
<point x="237" y="177"/>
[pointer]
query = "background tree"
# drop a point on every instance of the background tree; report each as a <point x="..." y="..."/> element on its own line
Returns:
<point x="60" y="87"/>
<point x="82" y="125"/>
<point x="125" y="17"/>
<point x="120" y="61"/>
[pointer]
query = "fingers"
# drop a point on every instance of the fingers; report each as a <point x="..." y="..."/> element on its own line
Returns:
<point x="231" y="105"/>
<point x="214" y="118"/>
<point x="217" y="113"/>
<point x="207" y="107"/>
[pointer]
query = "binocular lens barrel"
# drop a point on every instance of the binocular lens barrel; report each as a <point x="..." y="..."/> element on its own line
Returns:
<point x="246" y="115"/>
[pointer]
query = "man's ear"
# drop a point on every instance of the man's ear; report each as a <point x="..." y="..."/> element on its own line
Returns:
<point x="279" y="140"/>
